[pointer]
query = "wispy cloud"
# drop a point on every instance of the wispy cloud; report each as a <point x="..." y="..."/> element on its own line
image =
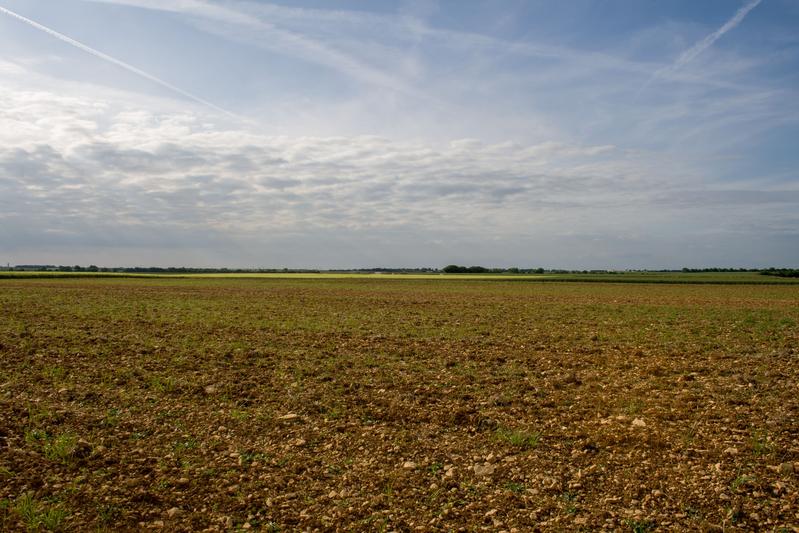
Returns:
<point x="239" y="25"/>
<point x="119" y="63"/>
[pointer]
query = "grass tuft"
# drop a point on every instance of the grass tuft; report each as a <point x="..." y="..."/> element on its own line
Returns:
<point x="37" y="515"/>
<point x="519" y="438"/>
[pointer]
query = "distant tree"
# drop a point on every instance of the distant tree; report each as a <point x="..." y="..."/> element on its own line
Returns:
<point x="454" y="269"/>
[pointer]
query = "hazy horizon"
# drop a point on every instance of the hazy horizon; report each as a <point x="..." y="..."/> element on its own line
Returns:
<point x="341" y="135"/>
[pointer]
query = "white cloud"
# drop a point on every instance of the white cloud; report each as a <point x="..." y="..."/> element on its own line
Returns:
<point x="74" y="170"/>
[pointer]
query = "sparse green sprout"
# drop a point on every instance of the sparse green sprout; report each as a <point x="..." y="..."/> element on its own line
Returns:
<point x="741" y="481"/>
<point x="239" y="414"/>
<point x="520" y="438"/>
<point x="36" y="436"/>
<point x="60" y="448"/>
<point x="111" y="417"/>
<point x="760" y="443"/>
<point x="55" y="374"/>
<point x="52" y="518"/>
<point x="107" y="514"/>
<point x="25" y="507"/>
<point x="570" y="501"/>
<point x="36" y="515"/>
<point x="634" y="407"/>
<point x="640" y="526"/>
<point x="161" y="384"/>
<point x="514" y="487"/>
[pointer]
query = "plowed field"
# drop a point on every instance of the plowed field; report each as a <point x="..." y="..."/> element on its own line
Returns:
<point x="404" y="405"/>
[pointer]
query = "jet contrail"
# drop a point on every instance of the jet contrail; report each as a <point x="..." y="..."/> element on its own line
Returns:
<point x="129" y="68"/>
<point x="708" y="41"/>
<point x="689" y="55"/>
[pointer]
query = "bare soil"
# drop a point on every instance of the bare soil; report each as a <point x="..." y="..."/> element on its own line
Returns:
<point x="357" y="405"/>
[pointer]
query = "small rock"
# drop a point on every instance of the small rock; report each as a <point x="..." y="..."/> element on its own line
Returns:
<point x="639" y="423"/>
<point x="82" y="449"/>
<point x="172" y="513"/>
<point x="731" y="451"/>
<point x="657" y="493"/>
<point x="299" y="442"/>
<point x="289" y="417"/>
<point x="246" y="525"/>
<point x="486" y="469"/>
<point x="210" y="389"/>
<point x="409" y="465"/>
<point x="159" y="524"/>
<point x="183" y="481"/>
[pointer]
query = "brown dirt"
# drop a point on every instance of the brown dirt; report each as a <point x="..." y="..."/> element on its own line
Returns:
<point x="364" y="406"/>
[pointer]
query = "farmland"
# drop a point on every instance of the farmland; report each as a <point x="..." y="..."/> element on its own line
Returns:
<point x="398" y="403"/>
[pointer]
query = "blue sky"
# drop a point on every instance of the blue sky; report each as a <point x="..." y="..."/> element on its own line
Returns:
<point x="581" y="134"/>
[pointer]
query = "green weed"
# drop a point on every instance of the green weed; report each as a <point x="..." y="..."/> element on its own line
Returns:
<point x="36" y="515"/>
<point x="740" y="481"/>
<point x="514" y="487"/>
<point x="519" y="438"/>
<point x="55" y="374"/>
<point x="111" y="418"/>
<point x="60" y="448"/>
<point x="640" y="526"/>
<point x="570" y="502"/>
<point x="760" y="443"/>
<point x="107" y="514"/>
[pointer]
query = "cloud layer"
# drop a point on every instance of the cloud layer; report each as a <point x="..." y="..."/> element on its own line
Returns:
<point x="87" y="173"/>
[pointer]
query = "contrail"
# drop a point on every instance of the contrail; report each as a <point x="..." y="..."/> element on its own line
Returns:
<point x="689" y="55"/>
<point x="126" y="66"/>
<point x="708" y="41"/>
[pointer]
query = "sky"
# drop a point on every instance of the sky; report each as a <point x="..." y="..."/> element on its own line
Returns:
<point x="586" y="134"/>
